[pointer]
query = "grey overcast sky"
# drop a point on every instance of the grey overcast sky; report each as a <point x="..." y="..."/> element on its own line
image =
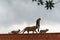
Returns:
<point x="18" y="14"/>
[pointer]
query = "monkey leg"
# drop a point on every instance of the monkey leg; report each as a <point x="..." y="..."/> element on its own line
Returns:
<point x="23" y="31"/>
<point x="28" y="32"/>
<point x="35" y="31"/>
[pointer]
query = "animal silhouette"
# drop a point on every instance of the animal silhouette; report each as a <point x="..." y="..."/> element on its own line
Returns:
<point x="15" y="32"/>
<point x="33" y="28"/>
<point x="43" y="31"/>
<point x="38" y="23"/>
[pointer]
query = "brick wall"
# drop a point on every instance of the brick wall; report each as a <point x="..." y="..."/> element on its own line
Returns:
<point x="47" y="36"/>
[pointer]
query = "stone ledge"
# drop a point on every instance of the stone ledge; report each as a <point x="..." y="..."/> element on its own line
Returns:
<point x="46" y="36"/>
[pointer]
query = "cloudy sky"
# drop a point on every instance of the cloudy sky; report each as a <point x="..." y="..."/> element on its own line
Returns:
<point x="18" y="14"/>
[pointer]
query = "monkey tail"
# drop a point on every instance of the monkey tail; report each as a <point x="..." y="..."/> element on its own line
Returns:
<point x="22" y="31"/>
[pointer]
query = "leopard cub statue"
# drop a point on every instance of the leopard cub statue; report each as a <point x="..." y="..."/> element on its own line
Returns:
<point x="43" y="31"/>
<point x="15" y="31"/>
